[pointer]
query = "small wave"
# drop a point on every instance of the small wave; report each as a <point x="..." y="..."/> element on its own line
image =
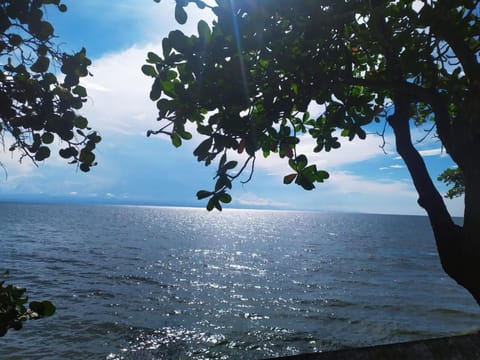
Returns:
<point x="89" y="293"/>
<point x="141" y="280"/>
<point x="447" y="311"/>
<point x="253" y="316"/>
<point x="241" y="267"/>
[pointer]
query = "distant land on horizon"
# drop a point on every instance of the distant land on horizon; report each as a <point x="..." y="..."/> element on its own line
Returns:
<point x="48" y="199"/>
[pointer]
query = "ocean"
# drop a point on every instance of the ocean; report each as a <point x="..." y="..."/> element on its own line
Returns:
<point x="181" y="283"/>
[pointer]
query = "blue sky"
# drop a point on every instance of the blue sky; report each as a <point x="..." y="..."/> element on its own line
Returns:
<point x="136" y="169"/>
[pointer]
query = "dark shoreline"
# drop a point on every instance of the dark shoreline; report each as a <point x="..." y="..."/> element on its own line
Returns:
<point x="447" y="348"/>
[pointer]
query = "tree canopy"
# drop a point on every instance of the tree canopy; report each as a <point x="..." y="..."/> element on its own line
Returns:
<point x="40" y="92"/>
<point x="246" y="82"/>
<point x="40" y="96"/>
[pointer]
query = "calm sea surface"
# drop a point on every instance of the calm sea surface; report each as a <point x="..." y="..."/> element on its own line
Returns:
<point x="177" y="283"/>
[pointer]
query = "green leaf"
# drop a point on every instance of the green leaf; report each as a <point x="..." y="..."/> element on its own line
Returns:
<point x="223" y="160"/>
<point x="149" y="70"/>
<point x="361" y="133"/>
<point x="84" y="167"/>
<point x="319" y="175"/>
<point x="202" y="150"/>
<point x="43" y="30"/>
<point x="301" y="161"/>
<point x="164" y="106"/>
<point x="68" y="152"/>
<point x="211" y="204"/>
<point x="169" y="88"/>
<point x="225" y="198"/>
<point x="80" y="91"/>
<point x="156" y="91"/>
<point x="44" y="308"/>
<point x="304" y="182"/>
<point x="153" y="58"/>
<point x="204" y="31"/>
<point x="47" y="138"/>
<point x="292" y="164"/>
<point x="15" y="40"/>
<point x="166" y="47"/>
<point x="50" y="78"/>
<point x="176" y="140"/>
<point x="81" y="122"/>
<point x="180" y="14"/>
<point x="288" y="179"/>
<point x="42" y="153"/>
<point x="230" y="165"/>
<point x="41" y="65"/>
<point x="42" y="50"/>
<point x="179" y="40"/>
<point x="86" y="156"/>
<point x="186" y="135"/>
<point x="202" y="194"/>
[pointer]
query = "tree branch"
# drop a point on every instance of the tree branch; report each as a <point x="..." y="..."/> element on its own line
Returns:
<point x="429" y="197"/>
<point x="447" y="28"/>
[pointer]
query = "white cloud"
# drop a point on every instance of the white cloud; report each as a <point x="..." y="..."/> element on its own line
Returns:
<point x="119" y="93"/>
<point x="433" y="152"/>
<point x="346" y="183"/>
<point x="345" y="191"/>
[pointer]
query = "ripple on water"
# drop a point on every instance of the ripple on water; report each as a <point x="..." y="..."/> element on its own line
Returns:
<point x="172" y="343"/>
<point x="153" y="283"/>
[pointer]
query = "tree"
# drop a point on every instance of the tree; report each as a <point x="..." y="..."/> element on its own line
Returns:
<point x="247" y="80"/>
<point x="37" y="106"/>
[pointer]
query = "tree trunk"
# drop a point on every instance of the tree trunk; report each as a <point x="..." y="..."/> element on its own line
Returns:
<point x="472" y="207"/>
<point x="458" y="249"/>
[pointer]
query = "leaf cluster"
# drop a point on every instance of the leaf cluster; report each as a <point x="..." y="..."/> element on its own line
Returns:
<point x="248" y="81"/>
<point x="453" y="177"/>
<point x="40" y="91"/>
<point x="14" y="310"/>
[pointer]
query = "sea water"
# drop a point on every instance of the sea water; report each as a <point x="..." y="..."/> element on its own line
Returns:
<point x="181" y="283"/>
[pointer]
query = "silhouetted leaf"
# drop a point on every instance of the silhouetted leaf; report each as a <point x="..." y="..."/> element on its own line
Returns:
<point x="41" y="65"/>
<point x="44" y="308"/>
<point x="149" y="70"/>
<point x="288" y="179"/>
<point x="176" y="140"/>
<point x="202" y="194"/>
<point x="180" y="14"/>
<point x="204" y="31"/>
<point x="42" y="153"/>
<point x="47" y="138"/>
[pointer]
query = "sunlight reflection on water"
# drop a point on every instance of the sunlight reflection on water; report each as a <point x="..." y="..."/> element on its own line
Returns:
<point x="162" y="283"/>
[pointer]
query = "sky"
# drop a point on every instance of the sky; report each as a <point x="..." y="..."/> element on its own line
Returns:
<point x="134" y="169"/>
